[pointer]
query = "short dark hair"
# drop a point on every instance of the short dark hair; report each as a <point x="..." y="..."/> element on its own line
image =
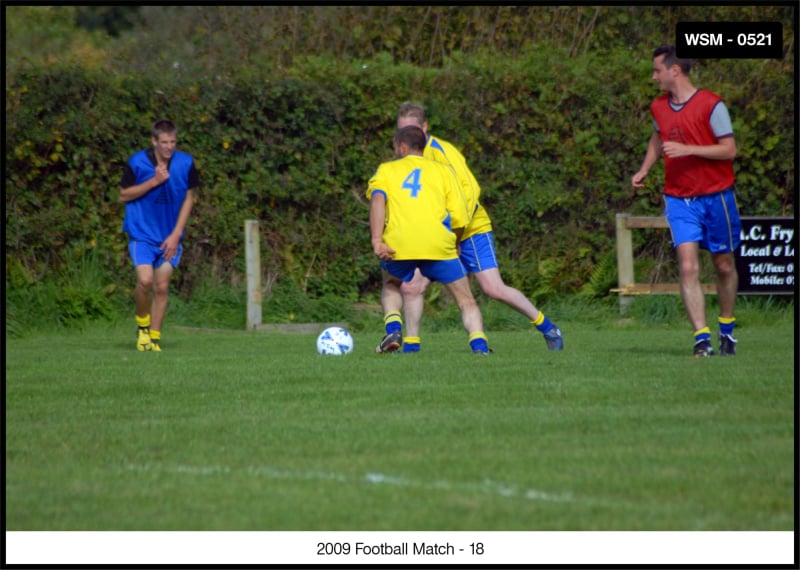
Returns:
<point x="164" y="126"/>
<point x="411" y="135"/>
<point x="670" y="59"/>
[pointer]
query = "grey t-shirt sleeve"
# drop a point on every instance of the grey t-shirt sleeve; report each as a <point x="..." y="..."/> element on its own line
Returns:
<point x="720" y="121"/>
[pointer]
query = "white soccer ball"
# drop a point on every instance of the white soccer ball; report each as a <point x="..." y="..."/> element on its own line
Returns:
<point x="334" y="340"/>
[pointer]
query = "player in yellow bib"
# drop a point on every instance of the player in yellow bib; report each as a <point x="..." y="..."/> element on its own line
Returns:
<point x="477" y="251"/>
<point x="417" y="216"/>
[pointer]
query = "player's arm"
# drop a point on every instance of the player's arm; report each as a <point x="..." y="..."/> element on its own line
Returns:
<point x="455" y="202"/>
<point x="127" y="193"/>
<point x="377" y="222"/>
<point x="725" y="149"/>
<point x="458" y="214"/>
<point x="170" y="245"/>
<point x="654" y="149"/>
<point x="188" y="202"/>
<point x="452" y="157"/>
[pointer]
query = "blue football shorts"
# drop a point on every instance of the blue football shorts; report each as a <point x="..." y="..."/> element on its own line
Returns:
<point x="711" y="220"/>
<point x="442" y="270"/>
<point x="478" y="253"/>
<point x="144" y="253"/>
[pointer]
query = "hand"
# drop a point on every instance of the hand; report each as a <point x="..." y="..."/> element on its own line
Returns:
<point x="170" y="247"/>
<point x="162" y="174"/>
<point x="674" y="149"/>
<point x="638" y="179"/>
<point x="383" y="251"/>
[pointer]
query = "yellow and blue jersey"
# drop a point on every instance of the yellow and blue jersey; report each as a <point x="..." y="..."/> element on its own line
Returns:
<point x="423" y="205"/>
<point x="444" y="152"/>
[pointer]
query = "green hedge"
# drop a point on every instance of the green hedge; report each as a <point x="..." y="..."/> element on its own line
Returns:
<point x="553" y="138"/>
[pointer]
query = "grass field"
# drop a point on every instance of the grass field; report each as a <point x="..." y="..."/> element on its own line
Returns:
<point x="251" y="431"/>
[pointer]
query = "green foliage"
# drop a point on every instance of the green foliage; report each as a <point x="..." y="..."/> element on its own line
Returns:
<point x="212" y="305"/>
<point x="113" y="19"/>
<point x="657" y="309"/>
<point x="603" y="277"/>
<point x="42" y="35"/>
<point x="82" y="292"/>
<point x="286" y="303"/>
<point x="548" y="104"/>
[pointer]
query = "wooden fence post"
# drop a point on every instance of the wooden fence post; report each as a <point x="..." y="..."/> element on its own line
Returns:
<point x="624" y="259"/>
<point x="252" y="240"/>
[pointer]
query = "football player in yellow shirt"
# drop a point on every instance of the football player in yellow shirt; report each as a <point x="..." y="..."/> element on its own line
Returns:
<point x="477" y="250"/>
<point x="417" y="216"/>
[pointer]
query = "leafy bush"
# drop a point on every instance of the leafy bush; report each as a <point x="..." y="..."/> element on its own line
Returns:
<point x="82" y="292"/>
<point x="552" y="127"/>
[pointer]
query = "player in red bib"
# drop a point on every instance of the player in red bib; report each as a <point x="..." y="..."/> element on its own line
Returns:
<point x="694" y="134"/>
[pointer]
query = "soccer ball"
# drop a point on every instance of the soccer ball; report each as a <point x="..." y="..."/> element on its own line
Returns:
<point x="334" y="340"/>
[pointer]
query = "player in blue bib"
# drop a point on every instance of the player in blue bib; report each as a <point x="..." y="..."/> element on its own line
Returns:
<point x="158" y="188"/>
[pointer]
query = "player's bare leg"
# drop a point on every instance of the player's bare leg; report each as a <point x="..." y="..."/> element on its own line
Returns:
<point x="142" y="300"/>
<point x="491" y="283"/>
<point x="727" y="286"/>
<point x="693" y="297"/>
<point x="691" y="290"/>
<point x="727" y="282"/>
<point x="160" y="294"/>
<point x="160" y="299"/>
<point x="470" y="314"/>
<point x="142" y="292"/>
<point x="413" y="306"/>
<point x="392" y="304"/>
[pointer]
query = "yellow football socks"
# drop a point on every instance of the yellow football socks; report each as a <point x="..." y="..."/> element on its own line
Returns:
<point x="726" y="325"/>
<point x="393" y="322"/>
<point x="702" y="334"/>
<point x="155" y="336"/>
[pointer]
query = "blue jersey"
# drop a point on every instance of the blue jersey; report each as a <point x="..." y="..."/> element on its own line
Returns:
<point x="152" y="217"/>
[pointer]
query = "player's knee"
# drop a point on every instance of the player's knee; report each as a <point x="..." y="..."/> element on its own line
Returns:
<point x="412" y="289"/>
<point x="495" y="291"/>
<point x="725" y="266"/>
<point x="689" y="269"/>
<point x="493" y="286"/>
<point x="161" y="289"/>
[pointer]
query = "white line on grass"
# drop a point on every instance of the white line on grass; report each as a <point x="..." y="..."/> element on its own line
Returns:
<point x="373" y="478"/>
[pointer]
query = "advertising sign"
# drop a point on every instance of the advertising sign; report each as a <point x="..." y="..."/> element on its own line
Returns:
<point x="767" y="255"/>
